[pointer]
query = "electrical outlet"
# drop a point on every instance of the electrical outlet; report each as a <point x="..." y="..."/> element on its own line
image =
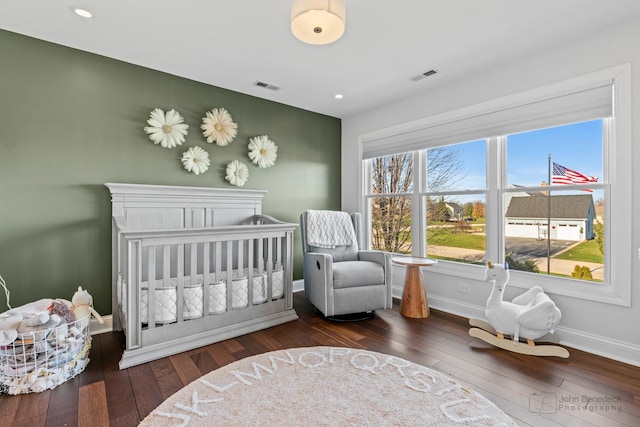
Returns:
<point x="464" y="288"/>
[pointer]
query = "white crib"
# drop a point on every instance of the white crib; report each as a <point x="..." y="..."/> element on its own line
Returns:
<point x="211" y="264"/>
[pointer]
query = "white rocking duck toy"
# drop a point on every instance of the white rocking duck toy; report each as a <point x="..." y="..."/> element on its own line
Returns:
<point x="529" y="316"/>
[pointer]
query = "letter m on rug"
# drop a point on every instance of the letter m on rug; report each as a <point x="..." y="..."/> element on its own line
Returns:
<point x="256" y="375"/>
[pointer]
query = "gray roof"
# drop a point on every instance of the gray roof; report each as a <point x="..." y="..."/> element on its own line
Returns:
<point x="569" y="207"/>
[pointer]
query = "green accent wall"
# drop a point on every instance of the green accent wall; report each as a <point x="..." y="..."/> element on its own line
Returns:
<point x="71" y="121"/>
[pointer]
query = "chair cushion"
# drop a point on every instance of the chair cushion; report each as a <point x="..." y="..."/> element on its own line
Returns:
<point x="348" y="274"/>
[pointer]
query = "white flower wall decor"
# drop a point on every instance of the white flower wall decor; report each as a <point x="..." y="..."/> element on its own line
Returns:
<point x="196" y="160"/>
<point x="237" y="173"/>
<point x="167" y="129"/>
<point x="218" y="126"/>
<point x="262" y="151"/>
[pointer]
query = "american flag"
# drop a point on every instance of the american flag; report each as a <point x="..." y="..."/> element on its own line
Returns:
<point x="562" y="175"/>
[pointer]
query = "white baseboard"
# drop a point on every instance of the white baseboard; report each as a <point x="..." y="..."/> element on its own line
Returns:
<point x="100" y="328"/>
<point x="298" y="285"/>
<point x="601" y="346"/>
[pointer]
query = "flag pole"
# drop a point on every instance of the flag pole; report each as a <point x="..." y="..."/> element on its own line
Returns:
<point x="549" y="215"/>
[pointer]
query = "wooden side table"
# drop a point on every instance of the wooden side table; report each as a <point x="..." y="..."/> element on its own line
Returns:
<point x="414" y="296"/>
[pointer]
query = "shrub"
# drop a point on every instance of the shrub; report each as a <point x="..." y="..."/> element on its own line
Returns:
<point x="528" y="265"/>
<point x="582" y="272"/>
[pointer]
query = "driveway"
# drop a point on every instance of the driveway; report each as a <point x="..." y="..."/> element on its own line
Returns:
<point x="524" y="248"/>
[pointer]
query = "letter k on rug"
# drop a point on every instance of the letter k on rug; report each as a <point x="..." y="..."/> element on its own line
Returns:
<point x="326" y="386"/>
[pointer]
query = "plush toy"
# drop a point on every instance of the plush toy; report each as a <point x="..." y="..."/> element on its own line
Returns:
<point x="82" y="306"/>
<point x="62" y="308"/>
<point x="530" y="316"/>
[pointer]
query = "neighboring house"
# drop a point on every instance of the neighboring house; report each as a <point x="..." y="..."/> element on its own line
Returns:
<point x="572" y="217"/>
<point x="509" y="196"/>
<point x="455" y="210"/>
<point x="436" y="211"/>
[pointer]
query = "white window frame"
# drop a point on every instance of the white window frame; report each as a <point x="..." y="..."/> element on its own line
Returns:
<point x="616" y="288"/>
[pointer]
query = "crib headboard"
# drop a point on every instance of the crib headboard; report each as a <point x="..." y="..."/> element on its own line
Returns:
<point x="152" y="207"/>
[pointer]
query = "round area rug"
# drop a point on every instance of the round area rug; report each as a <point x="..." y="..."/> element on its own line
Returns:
<point x="326" y="386"/>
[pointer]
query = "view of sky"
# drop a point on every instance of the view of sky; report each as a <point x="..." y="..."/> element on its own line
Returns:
<point x="577" y="147"/>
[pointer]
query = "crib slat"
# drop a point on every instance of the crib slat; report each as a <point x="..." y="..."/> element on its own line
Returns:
<point x="250" y="265"/>
<point x="279" y="252"/>
<point x="179" y="299"/>
<point x="166" y="265"/>
<point x="242" y="273"/>
<point x="218" y="267"/>
<point x="260" y="256"/>
<point x="229" y="275"/>
<point x="151" y="288"/>
<point x="180" y="265"/>
<point x="205" y="279"/>
<point x="269" y="269"/>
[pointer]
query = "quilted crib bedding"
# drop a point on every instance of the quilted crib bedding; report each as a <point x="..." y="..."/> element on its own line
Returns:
<point x="166" y="297"/>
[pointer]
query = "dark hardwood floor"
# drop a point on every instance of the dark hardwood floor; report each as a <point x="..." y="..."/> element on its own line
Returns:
<point x="580" y="391"/>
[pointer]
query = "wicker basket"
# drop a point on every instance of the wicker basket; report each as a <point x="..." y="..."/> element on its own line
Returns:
<point x="38" y="361"/>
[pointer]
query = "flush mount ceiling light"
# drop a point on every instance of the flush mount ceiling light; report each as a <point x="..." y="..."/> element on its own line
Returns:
<point x="317" y="21"/>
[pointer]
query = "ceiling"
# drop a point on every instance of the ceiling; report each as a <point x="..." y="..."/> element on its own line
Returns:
<point x="234" y="43"/>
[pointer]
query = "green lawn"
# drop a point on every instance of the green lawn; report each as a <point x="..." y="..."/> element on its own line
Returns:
<point x="446" y="237"/>
<point x="586" y="252"/>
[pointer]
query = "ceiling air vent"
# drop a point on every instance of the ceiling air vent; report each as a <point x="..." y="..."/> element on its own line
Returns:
<point x="421" y="76"/>
<point x="266" y="85"/>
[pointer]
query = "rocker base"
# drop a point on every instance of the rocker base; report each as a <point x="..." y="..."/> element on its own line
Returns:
<point x="518" y="347"/>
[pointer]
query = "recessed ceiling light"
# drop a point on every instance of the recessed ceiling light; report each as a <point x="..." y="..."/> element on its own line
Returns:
<point x="82" y="12"/>
<point x="338" y="96"/>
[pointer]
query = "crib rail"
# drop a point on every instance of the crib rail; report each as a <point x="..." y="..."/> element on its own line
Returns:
<point x="227" y="277"/>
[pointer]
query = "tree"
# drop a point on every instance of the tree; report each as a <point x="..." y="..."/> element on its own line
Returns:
<point x="478" y="210"/>
<point x="391" y="215"/>
<point x="598" y="228"/>
<point x="392" y="178"/>
<point x="439" y="212"/>
<point x="468" y="209"/>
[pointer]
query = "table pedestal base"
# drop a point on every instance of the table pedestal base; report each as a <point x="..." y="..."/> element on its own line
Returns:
<point x="414" y="296"/>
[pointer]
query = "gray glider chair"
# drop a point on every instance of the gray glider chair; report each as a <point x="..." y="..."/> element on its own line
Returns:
<point x="340" y="280"/>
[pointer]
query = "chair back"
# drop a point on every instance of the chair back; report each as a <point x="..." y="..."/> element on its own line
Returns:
<point x="331" y="232"/>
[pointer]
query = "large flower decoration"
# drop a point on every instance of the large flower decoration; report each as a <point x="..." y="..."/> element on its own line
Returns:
<point x="237" y="173"/>
<point x="262" y="151"/>
<point x="196" y="160"/>
<point x="168" y="129"/>
<point x="219" y="127"/>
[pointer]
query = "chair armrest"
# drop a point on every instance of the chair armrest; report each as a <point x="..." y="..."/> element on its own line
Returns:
<point x="380" y="257"/>
<point x="318" y="269"/>
<point x="384" y="259"/>
<point x="318" y="281"/>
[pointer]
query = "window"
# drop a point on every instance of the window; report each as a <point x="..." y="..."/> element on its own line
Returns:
<point x="551" y="230"/>
<point x="390" y="212"/>
<point x="455" y="202"/>
<point x="533" y="187"/>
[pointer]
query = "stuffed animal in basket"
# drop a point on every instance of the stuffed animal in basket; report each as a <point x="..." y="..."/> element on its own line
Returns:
<point x="82" y="307"/>
<point x="529" y="316"/>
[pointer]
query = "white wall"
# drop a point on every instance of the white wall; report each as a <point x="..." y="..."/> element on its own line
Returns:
<point x="604" y="329"/>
